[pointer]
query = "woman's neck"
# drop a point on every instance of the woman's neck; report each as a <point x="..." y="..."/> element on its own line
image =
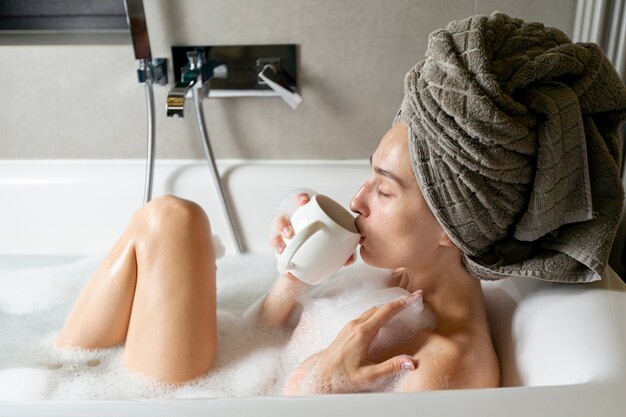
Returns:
<point x="453" y="294"/>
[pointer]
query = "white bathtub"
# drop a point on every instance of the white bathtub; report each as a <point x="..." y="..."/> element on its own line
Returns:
<point x="562" y="347"/>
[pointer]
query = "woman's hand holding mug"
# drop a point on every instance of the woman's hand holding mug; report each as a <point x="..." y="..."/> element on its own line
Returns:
<point x="316" y="240"/>
<point x="301" y="262"/>
<point x="282" y="228"/>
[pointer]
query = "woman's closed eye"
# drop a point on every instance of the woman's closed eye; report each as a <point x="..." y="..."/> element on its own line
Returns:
<point x="382" y="193"/>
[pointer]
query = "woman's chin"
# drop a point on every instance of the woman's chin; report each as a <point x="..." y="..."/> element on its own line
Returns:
<point x="376" y="261"/>
<point x="367" y="257"/>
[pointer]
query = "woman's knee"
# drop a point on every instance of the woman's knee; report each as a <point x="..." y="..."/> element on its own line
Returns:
<point x="172" y="213"/>
<point x="168" y="209"/>
<point x="174" y="231"/>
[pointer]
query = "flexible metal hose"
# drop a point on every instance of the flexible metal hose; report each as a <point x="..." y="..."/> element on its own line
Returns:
<point x="147" y="195"/>
<point x="197" y="102"/>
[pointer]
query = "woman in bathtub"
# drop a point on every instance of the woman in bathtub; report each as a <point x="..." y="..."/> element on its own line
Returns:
<point x="502" y="139"/>
<point x="156" y="292"/>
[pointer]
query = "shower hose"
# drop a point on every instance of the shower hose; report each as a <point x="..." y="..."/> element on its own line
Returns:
<point x="208" y="151"/>
<point x="197" y="101"/>
<point x="147" y="193"/>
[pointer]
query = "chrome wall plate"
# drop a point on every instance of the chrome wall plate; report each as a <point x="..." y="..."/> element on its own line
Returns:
<point x="243" y="63"/>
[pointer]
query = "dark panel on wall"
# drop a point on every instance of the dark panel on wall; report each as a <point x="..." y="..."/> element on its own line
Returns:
<point x="62" y="14"/>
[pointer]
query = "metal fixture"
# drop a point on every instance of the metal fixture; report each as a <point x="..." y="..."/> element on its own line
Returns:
<point x="197" y="72"/>
<point x="149" y="71"/>
<point x="279" y="81"/>
<point x="208" y="152"/>
<point x="244" y="63"/>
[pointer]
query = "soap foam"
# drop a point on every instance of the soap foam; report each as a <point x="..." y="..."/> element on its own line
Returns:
<point x="252" y="360"/>
<point x="23" y="384"/>
<point x="34" y="290"/>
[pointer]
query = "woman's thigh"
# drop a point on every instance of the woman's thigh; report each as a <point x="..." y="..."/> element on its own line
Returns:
<point x="172" y="328"/>
<point x="155" y="291"/>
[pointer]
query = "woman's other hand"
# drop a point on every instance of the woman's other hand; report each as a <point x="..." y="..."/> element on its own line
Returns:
<point x="344" y="365"/>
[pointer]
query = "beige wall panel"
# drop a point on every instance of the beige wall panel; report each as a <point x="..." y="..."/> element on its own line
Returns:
<point x="83" y="101"/>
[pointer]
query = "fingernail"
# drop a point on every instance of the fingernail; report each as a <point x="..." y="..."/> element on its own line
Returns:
<point x="286" y="231"/>
<point x="408" y="366"/>
<point x="280" y="247"/>
<point x="304" y="197"/>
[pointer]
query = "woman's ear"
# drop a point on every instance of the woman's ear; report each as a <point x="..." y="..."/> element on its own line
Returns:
<point x="445" y="241"/>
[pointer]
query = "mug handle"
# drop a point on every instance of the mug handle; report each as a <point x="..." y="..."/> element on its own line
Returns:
<point x="297" y="241"/>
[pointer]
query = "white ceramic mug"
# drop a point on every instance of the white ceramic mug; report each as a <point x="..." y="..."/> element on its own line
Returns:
<point x="325" y="237"/>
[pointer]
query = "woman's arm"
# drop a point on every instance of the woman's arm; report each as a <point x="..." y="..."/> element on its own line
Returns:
<point x="281" y="300"/>
<point x="287" y="290"/>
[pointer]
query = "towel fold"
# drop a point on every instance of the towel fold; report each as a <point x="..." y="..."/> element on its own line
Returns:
<point x="514" y="143"/>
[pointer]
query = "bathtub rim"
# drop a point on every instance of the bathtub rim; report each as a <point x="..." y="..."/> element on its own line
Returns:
<point x="554" y="401"/>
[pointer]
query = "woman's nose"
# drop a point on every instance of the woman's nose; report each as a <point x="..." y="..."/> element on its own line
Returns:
<point x="357" y="204"/>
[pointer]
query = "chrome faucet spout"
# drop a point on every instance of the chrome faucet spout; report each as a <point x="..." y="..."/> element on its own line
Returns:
<point x="196" y="74"/>
<point x="176" y="98"/>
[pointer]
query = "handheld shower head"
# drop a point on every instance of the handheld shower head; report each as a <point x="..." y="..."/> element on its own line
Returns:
<point x="138" y="29"/>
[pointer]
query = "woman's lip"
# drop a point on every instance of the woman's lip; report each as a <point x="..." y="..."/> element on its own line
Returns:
<point x="361" y="240"/>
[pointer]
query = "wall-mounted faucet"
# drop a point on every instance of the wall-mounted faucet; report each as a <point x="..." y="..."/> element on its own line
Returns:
<point x="234" y="71"/>
<point x="197" y="72"/>
<point x="177" y="94"/>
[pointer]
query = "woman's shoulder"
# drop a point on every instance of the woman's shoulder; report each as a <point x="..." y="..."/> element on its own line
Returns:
<point x="453" y="362"/>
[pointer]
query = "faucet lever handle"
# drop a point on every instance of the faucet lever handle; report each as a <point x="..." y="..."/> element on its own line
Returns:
<point x="279" y="82"/>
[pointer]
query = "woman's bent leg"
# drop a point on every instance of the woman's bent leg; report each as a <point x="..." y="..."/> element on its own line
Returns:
<point x="156" y="291"/>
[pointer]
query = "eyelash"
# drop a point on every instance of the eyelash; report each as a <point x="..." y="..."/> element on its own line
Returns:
<point x="380" y="193"/>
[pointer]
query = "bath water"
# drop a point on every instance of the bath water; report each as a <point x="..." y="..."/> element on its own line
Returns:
<point x="252" y="360"/>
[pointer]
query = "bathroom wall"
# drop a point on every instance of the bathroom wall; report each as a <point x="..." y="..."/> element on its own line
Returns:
<point x="77" y="96"/>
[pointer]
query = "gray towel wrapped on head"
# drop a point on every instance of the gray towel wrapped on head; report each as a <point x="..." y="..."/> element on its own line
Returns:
<point x="515" y="146"/>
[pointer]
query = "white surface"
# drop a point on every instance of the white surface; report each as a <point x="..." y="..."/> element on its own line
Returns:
<point x="564" y="344"/>
<point x="89" y="203"/>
